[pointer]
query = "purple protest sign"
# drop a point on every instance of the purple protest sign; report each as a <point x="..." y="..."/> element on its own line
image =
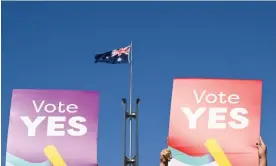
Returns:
<point x="64" y="119"/>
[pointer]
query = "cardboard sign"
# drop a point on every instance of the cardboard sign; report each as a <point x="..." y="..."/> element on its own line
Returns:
<point x="215" y="122"/>
<point x="53" y="128"/>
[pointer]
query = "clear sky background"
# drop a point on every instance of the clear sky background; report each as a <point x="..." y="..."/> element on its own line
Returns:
<point x="51" y="46"/>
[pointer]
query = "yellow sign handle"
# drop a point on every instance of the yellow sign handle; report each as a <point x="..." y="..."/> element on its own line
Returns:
<point x="53" y="155"/>
<point x="216" y="151"/>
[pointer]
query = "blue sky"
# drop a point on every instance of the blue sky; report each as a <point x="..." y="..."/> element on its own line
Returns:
<point x="51" y="46"/>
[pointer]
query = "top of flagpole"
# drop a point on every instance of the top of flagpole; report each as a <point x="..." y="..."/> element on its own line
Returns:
<point x="131" y="52"/>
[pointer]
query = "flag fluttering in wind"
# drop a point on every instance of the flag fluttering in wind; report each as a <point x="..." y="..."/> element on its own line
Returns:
<point x="117" y="56"/>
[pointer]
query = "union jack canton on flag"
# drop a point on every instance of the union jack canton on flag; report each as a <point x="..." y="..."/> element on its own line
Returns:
<point x="117" y="56"/>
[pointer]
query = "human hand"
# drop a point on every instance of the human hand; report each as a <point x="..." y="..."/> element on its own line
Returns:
<point x="261" y="149"/>
<point x="165" y="155"/>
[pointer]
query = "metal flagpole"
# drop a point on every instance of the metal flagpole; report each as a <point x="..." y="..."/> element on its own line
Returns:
<point x="130" y="104"/>
<point x="130" y="161"/>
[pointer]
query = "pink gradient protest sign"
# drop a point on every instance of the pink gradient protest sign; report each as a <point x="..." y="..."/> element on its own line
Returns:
<point x="66" y="120"/>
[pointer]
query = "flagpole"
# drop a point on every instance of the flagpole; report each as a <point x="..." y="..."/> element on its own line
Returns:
<point x="130" y="104"/>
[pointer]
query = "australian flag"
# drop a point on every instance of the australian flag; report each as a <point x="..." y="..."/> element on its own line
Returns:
<point x="117" y="56"/>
